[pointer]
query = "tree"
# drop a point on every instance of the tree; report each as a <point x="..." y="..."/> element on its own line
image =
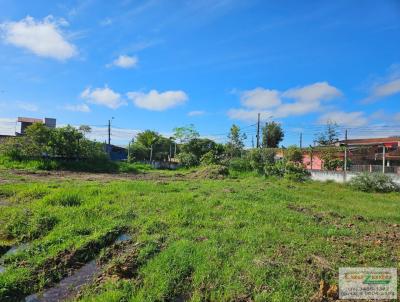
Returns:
<point x="235" y="145"/>
<point x="258" y="158"/>
<point x="198" y="146"/>
<point x="161" y="148"/>
<point x="272" y="135"/>
<point x="37" y="140"/>
<point x="66" y="141"/>
<point x="84" y="129"/>
<point x="147" y="138"/>
<point x="331" y="158"/>
<point x="294" y="154"/>
<point x="138" y="152"/>
<point x="185" y="133"/>
<point x="329" y="136"/>
<point x="157" y="146"/>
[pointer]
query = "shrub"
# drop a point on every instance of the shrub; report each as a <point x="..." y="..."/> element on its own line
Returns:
<point x="294" y="154"/>
<point x="275" y="169"/>
<point x="374" y="182"/>
<point x="138" y="152"/>
<point x="212" y="172"/>
<point x="211" y="158"/>
<point x="239" y="164"/>
<point x="258" y="158"/>
<point x="288" y="170"/>
<point x="188" y="160"/>
<point x="12" y="148"/>
<point x="296" y="172"/>
<point x="331" y="159"/>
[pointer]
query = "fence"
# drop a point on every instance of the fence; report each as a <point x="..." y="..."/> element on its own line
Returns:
<point x="374" y="168"/>
<point x="340" y="176"/>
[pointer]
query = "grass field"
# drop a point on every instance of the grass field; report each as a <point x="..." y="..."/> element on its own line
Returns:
<point x="242" y="238"/>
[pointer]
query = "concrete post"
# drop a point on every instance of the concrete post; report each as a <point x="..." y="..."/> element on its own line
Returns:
<point x="383" y="159"/>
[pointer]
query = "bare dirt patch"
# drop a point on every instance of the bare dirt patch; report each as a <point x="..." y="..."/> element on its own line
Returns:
<point x="25" y="175"/>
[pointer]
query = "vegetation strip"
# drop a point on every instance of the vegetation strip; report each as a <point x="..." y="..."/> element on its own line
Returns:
<point x="235" y="237"/>
<point x="56" y="268"/>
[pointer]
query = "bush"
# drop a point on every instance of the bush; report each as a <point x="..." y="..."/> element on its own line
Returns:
<point x="296" y="172"/>
<point x="294" y="154"/>
<point x="374" y="182"/>
<point x="138" y="152"/>
<point x="212" y="172"/>
<point x="275" y="169"/>
<point x="12" y="148"/>
<point x="258" y="158"/>
<point x="239" y="165"/>
<point x="188" y="160"/>
<point x="288" y="170"/>
<point x="211" y="158"/>
<point x="41" y="142"/>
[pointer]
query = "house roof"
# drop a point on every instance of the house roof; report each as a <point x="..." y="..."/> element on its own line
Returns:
<point x="29" y="120"/>
<point x="371" y="141"/>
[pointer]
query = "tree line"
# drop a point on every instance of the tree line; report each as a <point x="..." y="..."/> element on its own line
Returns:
<point x="185" y="146"/>
<point x="41" y="141"/>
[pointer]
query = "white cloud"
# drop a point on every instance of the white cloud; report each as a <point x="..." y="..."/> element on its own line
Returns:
<point x="77" y="108"/>
<point x="295" y="101"/>
<point x="125" y="61"/>
<point x="43" y="38"/>
<point x="248" y="115"/>
<point x="196" y="113"/>
<point x="297" y="108"/>
<point x="118" y="136"/>
<point x="260" y="98"/>
<point x="313" y="93"/>
<point x="156" y="101"/>
<point x="353" y="119"/>
<point x="384" y="90"/>
<point x="27" y="106"/>
<point x="106" y="22"/>
<point x="103" y="96"/>
<point x="384" y="117"/>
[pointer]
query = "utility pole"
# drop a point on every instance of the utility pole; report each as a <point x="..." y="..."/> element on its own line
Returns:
<point x="109" y="136"/>
<point x="175" y="150"/>
<point x="109" y="132"/>
<point x="301" y="140"/>
<point x="345" y="156"/>
<point x="252" y="142"/>
<point x="383" y="159"/>
<point x="345" y="163"/>
<point x="258" y="130"/>
<point x="129" y="151"/>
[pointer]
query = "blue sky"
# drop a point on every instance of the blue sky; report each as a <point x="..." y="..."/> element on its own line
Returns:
<point x="161" y="64"/>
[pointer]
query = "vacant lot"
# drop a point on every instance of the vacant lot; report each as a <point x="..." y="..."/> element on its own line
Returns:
<point x="189" y="239"/>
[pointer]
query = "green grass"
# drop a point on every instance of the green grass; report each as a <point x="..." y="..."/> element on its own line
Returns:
<point x="239" y="238"/>
<point x="100" y="165"/>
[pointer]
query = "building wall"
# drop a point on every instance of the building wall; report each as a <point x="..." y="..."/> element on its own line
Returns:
<point x="338" y="176"/>
<point x="317" y="163"/>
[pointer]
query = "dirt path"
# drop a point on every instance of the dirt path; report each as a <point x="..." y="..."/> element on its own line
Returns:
<point x="7" y="176"/>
